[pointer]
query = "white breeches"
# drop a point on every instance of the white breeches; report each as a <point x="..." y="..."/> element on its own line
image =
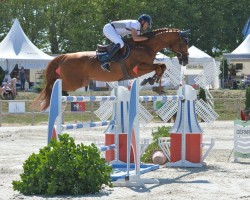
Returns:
<point x="112" y="35"/>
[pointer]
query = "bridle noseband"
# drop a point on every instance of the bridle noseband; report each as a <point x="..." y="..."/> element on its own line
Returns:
<point x="180" y="55"/>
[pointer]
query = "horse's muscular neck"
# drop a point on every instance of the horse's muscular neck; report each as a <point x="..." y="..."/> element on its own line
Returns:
<point x="163" y="38"/>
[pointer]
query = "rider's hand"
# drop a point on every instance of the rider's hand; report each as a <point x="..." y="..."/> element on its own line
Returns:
<point x="149" y="34"/>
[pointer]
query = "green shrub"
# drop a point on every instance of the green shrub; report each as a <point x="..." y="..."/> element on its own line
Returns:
<point x="64" y="168"/>
<point x="247" y="102"/>
<point x="162" y="131"/>
<point x="202" y="94"/>
<point x="37" y="88"/>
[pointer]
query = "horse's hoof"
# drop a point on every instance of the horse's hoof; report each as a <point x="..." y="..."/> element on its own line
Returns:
<point x="144" y="82"/>
<point x="151" y="81"/>
<point x="64" y="93"/>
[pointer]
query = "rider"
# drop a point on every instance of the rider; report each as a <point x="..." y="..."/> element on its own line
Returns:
<point x="117" y="29"/>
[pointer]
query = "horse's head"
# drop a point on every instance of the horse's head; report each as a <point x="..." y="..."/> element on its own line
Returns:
<point x="173" y="39"/>
<point x="181" y="47"/>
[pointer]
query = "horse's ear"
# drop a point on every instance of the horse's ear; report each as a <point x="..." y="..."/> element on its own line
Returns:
<point x="185" y="33"/>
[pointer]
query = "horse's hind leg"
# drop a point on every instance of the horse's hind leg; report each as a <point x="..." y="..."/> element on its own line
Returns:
<point x="163" y="68"/>
<point x="157" y="76"/>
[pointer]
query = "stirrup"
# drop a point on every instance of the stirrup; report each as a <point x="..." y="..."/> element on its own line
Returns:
<point x="105" y="67"/>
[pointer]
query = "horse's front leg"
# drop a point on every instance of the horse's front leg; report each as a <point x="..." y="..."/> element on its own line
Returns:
<point x="159" y="70"/>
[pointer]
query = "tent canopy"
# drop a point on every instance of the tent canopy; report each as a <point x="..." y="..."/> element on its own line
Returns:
<point x="200" y="64"/>
<point x="197" y="56"/>
<point x="16" y="48"/>
<point x="241" y="53"/>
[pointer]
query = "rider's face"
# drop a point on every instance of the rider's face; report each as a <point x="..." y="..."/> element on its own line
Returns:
<point x="145" y="25"/>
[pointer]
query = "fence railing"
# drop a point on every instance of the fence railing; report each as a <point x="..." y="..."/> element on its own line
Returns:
<point x="227" y="108"/>
<point x="20" y="112"/>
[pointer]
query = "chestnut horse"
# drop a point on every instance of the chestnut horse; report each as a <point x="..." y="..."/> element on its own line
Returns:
<point x="77" y="69"/>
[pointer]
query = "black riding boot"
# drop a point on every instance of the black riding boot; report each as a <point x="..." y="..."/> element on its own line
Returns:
<point x="113" y="51"/>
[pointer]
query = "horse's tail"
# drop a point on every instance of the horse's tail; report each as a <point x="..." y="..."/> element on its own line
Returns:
<point x="43" y="100"/>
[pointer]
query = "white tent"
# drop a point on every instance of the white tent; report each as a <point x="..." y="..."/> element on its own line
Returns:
<point x="201" y="66"/>
<point x="198" y="59"/>
<point x="241" y="57"/>
<point x="241" y="53"/>
<point x="16" y="48"/>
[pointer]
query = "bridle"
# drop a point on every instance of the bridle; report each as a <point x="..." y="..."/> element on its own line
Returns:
<point x="182" y="37"/>
<point x="180" y="55"/>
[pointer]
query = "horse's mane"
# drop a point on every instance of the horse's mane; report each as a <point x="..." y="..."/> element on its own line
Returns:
<point x="164" y="30"/>
<point x="154" y="32"/>
<point x="161" y="31"/>
<point x="183" y="34"/>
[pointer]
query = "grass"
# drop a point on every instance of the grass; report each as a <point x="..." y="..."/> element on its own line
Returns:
<point x="227" y="103"/>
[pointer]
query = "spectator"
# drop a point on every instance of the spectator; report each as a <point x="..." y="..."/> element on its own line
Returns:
<point x="5" y="87"/>
<point x="26" y="86"/>
<point x="13" y="86"/>
<point x="22" y="78"/>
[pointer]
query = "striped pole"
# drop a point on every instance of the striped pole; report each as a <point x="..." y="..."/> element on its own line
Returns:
<point x="87" y="125"/>
<point x="55" y="110"/>
<point x="161" y="98"/>
<point x="87" y="98"/>
<point x="106" y="148"/>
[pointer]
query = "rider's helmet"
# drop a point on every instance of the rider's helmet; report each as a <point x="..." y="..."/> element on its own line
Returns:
<point x="146" y="18"/>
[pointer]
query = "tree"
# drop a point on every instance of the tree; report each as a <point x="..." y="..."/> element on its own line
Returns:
<point x="224" y="71"/>
<point x="63" y="26"/>
<point x="247" y="102"/>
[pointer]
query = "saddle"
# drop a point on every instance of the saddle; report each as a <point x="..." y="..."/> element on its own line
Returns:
<point x="102" y="53"/>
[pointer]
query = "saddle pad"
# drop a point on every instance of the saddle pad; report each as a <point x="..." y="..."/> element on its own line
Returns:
<point x="102" y="56"/>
